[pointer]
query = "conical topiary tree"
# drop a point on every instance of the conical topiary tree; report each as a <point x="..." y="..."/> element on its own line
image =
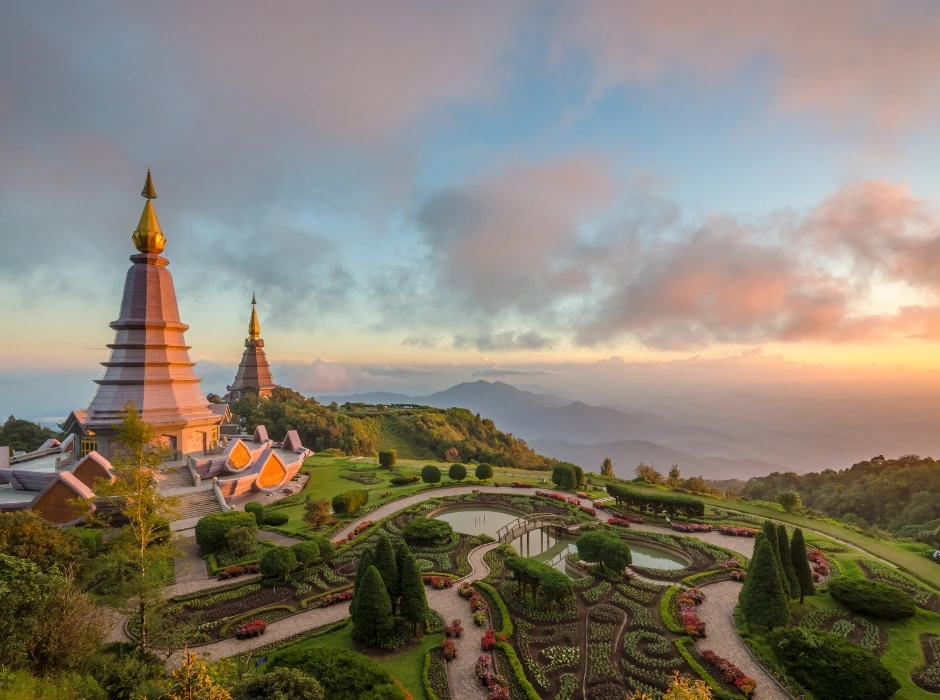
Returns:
<point x="770" y="532"/>
<point x="384" y="561"/>
<point x="783" y="543"/>
<point x="414" y="601"/>
<point x="762" y="598"/>
<point x="373" y="612"/>
<point x="365" y="561"/>
<point x="804" y="575"/>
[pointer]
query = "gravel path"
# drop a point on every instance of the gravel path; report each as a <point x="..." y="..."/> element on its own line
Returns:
<point x="720" y="600"/>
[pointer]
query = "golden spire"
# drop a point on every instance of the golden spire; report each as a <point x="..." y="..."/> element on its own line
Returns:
<point x="254" y="328"/>
<point x="148" y="238"/>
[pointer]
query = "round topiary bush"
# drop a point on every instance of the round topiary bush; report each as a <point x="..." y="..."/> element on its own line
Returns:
<point x="276" y="519"/>
<point x="257" y="509"/>
<point x="278" y="562"/>
<point x="872" y="599"/>
<point x="211" y="531"/>
<point x="457" y="472"/>
<point x="427" y="532"/>
<point x="349" y="502"/>
<point x="484" y="471"/>
<point x="307" y="553"/>
<point x="430" y="474"/>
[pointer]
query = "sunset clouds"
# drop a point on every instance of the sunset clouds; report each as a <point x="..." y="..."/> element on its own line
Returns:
<point x="532" y="183"/>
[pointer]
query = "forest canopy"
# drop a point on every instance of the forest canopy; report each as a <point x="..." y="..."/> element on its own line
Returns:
<point x="416" y="432"/>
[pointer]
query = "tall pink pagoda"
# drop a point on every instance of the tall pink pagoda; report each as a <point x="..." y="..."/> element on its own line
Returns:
<point x="254" y="373"/>
<point x="149" y="362"/>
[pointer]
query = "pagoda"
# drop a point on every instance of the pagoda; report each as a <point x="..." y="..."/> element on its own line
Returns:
<point x="149" y="362"/>
<point x="254" y="373"/>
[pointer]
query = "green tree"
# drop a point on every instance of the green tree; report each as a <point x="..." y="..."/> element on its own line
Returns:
<point x="373" y="612"/>
<point x="790" y="500"/>
<point x="579" y="480"/>
<point x="327" y="550"/>
<point x="240" y="541"/>
<point x="26" y="535"/>
<point x="804" y="574"/>
<point x="388" y="458"/>
<point x="385" y="562"/>
<point x="783" y="543"/>
<point x="280" y="684"/>
<point x="649" y="475"/>
<point x="278" y="562"/>
<point x="307" y="553"/>
<point x="343" y="673"/>
<point x="212" y="530"/>
<point x="142" y="550"/>
<point x="25" y="436"/>
<point x="762" y="599"/>
<point x="769" y="531"/>
<point x="564" y="476"/>
<point x="607" y="467"/>
<point x="427" y="532"/>
<point x="484" y="471"/>
<point x="317" y="512"/>
<point x="365" y="561"/>
<point x="555" y="586"/>
<point x="256" y="509"/>
<point x="674" y="480"/>
<point x="606" y="549"/>
<point x="430" y="474"/>
<point x="457" y="472"/>
<point x="414" y="600"/>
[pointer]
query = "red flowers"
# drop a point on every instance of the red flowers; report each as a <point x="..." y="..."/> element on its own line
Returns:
<point x="624" y="521"/>
<point x="732" y="563"/>
<point x="254" y="628"/>
<point x="231" y="572"/>
<point x="449" y="649"/>
<point x="488" y="641"/>
<point x="687" y="602"/>
<point x="582" y="494"/>
<point x="819" y="564"/>
<point x="520" y="485"/>
<point x="738" y="531"/>
<point x="332" y="598"/>
<point x="598" y="504"/>
<point x="361" y="527"/>
<point x="738" y="576"/>
<point x="589" y="511"/>
<point x="574" y="501"/>
<point x="438" y="582"/>
<point x="731" y="673"/>
<point x="549" y="494"/>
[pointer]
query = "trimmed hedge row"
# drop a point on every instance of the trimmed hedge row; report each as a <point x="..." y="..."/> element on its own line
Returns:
<point x="517" y="671"/>
<point x="644" y="502"/>
<point x="500" y="604"/>
<point x="682" y="645"/>
<point x="708" y="577"/>
<point x="873" y="599"/>
<point x="667" y="606"/>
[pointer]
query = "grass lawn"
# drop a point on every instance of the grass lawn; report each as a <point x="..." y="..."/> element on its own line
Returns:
<point x="896" y="553"/>
<point x="405" y="665"/>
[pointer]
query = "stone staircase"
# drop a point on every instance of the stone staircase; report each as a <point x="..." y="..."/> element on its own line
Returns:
<point x="176" y="478"/>
<point x="197" y="504"/>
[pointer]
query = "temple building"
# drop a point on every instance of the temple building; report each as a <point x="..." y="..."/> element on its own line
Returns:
<point x="149" y="362"/>
<point x="254" y="373"/>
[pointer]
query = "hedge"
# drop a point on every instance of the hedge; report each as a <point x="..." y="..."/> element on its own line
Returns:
<point x="250" y="616"/>
<point x="500" y="603"/>
<point x="518" y="672"/>
<point x="305" y="603"/>
<point x="212" y="529"/>
<point x="644" y="502"/>
<point x="276" y="519"/>
<point x="666" y="610"/>
<point x="425" y="678"/>
<point x="682" y="645"/>
<point x="704" y="577"/>
<point x="872" y="599"/>
<point x="349" y="501"/>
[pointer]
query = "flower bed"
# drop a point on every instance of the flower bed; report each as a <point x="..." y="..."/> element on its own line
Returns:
<point x="550" y="494"/>
<point x="625" y="520"/>
<point x="255" y="628"/>
<point x="326" y="599"/>
<point x="819" y="564"/>
<point x="730" y="673"/>
<point x="923" y="597"/>
<point x="235" y="571"/>
<point x="733" y="531"/>
<point x="449" y="649"/>
<point x="928" y="676"/>
<point x="438" y="582"/>
<point x="589" y="511"/>
<point x="691" y="527"/>
<point x="687" y="602"/>
<point x="598" y="504"/>
<point x="435" y="675"/>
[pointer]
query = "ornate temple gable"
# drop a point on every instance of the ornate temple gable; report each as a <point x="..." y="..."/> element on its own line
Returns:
<point x="292" y="442"/>
<point x="56" y="503"/>
<point x="261" y="434"/>
<point x="272" y="472"/>
<point x="237" y="455"/>
<point x="92" y="467"/>
<point x="49" y="444"/>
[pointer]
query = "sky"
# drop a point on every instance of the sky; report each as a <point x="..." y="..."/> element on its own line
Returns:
<point x="600" y="197"/>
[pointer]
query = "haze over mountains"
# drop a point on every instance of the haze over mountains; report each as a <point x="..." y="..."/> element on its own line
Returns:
<point x="720" y="436"/>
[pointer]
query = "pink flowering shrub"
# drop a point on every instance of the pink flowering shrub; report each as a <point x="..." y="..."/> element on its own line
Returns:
<point x="550" y="494"/>
<point x="732" y="563"/>
<point x="738" y="576"/>
<point x="255" y="628"/>
<point x="589" y="511"/>
<point x="819" y="565"/>
<point x="730" y="673"/>
<point x="738" y="531"/>
<point x="438" y="582"/>
<point x="687" y="603"/>
<point x="598" y="504"/>
<point x="449" y="649"/>
<point x="691" y="527"/>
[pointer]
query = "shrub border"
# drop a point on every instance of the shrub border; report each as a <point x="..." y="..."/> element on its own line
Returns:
<point x="518" y="672"/>
<point x="665" y="610"/>
<point x="500" y="603"/>
<point x="719" y="692"/>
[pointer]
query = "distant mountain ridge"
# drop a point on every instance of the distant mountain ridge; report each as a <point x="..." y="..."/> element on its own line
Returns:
<point x="564" y="427"/>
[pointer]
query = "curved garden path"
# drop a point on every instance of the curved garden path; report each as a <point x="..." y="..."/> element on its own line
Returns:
<point x="716" y="611"/>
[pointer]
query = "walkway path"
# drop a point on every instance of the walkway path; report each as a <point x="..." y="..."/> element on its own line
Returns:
<point x="720" y="600"/>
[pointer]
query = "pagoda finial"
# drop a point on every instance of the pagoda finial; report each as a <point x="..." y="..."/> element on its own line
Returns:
<point x="254" y="328"/>
<point x="149" y="192"/>
<point x="148" y="238"/>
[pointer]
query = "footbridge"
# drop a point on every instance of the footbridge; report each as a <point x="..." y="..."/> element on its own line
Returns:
<point x="537" y="521"/>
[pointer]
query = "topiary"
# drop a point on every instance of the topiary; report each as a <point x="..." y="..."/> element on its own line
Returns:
<point x="403" y="480"/>
<point x="873" y="599"/>
<point x="387" y="458"/>
<point x="484" y="471"/>
<point x="783" y="543"/>
<point x="276" y="519"/>
<point x="804" y="574"/>
<point x="211" y="530"/>
<point x="307" y="553"/>
<point x="372" y="614"/>
<point x="607" y="549"/>
<point x="829" y="666"/>
<point x="240" y="541"/>
<point x="384" y="561"/>
<point x="457" y="472"/>
<point x="427" y="531"/>
<point x="430" y="474"/>
<point x="762" y="599"/>
<point x="349" y="502"/>
<point x="327" y="550"/>
<point x="278" y="562"/>
<point x="257" y="509"/>
<point x="280" y="684"/>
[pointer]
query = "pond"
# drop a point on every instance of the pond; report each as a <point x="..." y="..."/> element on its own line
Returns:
<point x="541" y="544"/>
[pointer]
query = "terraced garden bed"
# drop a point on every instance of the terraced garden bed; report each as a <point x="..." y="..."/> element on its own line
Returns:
<point x="855" y="628"/>
<point x="928" y="677"/>
<point x="923" y="597"/>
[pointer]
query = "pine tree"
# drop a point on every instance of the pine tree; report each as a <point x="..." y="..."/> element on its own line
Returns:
<point x="384" y="561"/>
<point x="783" y="542"/>
<point x="801" y="565"/>
<point x="607" y="467"/>
<point x="414" y="601"/>
<point x="762" y="598"/>
<point x="365" y="561"/>
<point x="373" y="616"/>
<point x="770" y="532"/>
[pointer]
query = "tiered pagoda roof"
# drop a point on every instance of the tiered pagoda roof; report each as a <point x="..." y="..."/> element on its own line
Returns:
<point x="254" y="372"/>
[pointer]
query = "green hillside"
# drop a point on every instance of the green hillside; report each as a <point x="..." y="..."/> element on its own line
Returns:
<point x="416" y="432"/>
